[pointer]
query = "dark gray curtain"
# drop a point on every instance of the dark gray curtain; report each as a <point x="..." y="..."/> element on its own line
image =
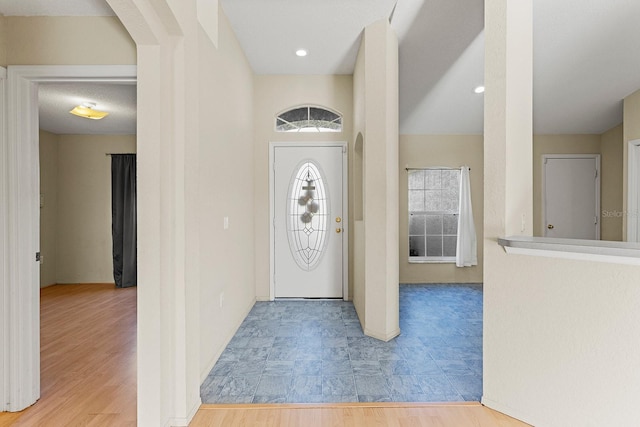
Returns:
<point x="123" y="219"/>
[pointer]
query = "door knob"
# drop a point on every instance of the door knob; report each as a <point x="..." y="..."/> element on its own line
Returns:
<point x="550" y="226"/>
<point x="338" y="219"/>
<point x="338" y="230"/>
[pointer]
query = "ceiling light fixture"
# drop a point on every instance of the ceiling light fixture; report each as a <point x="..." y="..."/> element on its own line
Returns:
<point x="301" y="52"/>
<point x="479" y="89"/>
<point x="86" y="110"/>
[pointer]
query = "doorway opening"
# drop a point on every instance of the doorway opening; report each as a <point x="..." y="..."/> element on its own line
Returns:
<point x="24" y="212"/>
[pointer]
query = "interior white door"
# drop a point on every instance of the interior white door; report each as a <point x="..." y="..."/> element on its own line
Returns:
<point x="571" y="197"/>
<point x="308" y="221"/>
<point x="633" y="192"/>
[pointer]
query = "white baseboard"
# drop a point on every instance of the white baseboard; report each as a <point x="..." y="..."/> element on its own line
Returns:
<point x="497" y="406"/>
<point x="184" y="422"/>
<point x="203" y="375"/>
<point x="382" y="337"/>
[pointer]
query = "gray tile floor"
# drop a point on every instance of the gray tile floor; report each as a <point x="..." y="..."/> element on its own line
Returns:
<point x="315" y="351"/>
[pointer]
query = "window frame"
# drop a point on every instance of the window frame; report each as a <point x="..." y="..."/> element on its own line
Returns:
<point x="425" y="259"/>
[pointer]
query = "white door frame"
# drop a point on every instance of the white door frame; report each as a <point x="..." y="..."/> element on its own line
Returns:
<point x="597" y="184"/>
<point x="345" y="210"/>
<point x="19" y="167"/>
<point x="4" y="278"/>
<point x="633" y="201"/>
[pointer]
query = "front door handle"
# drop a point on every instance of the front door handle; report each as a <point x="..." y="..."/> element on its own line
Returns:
<point x="550" y="226"/>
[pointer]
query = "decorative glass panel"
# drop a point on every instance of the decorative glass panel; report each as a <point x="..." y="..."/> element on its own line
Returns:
<point x="308" y="215"/>
<point x="309" y="119"/>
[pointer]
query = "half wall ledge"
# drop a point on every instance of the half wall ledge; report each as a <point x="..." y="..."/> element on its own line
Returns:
<point x="585" y="250"/>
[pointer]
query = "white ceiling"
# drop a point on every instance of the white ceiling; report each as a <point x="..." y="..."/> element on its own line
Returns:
<point x="586" y="58"/>
<point x="56" y="99"/>
<point x="271" y="31"/>
<point x="586" y="61"/>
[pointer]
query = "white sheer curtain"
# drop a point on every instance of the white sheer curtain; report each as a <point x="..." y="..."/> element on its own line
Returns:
<point x="467" y="246"/>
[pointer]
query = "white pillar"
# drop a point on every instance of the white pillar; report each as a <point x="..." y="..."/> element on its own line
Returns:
<point x="508" y="177"/>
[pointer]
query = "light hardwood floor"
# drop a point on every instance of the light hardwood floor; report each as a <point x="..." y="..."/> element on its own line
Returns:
<point x="88" y="358"/>
<point x="88" y="377"/>
<point x="348" y="414"/>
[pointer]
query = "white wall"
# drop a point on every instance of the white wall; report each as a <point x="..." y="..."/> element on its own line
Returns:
<point x="83" y="227"/>
<point x="225" y="188"/>
<point x="558" y="346"/>
<point x="376" y="119"/>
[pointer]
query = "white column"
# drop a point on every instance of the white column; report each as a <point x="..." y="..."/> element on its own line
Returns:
<point x="508" y="177"/>
<point x="381" y="263"/>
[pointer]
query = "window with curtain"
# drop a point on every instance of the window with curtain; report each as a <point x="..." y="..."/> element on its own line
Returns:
<point x="433" y="214"/>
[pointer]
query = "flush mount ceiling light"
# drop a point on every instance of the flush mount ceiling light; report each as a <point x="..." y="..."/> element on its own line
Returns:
<point x="479" y="89"/>
<point x="86" y="110"/>
<point x="301" y="52"/>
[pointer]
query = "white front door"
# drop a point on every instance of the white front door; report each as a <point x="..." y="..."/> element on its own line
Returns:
<point x="308" y="221"/>
<point x="571" y="196"/>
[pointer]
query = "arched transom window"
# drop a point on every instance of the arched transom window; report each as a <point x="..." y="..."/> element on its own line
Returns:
<point x="309" y="119"/>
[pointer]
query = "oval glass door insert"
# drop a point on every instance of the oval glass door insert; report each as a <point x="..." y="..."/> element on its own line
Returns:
<point x="308" y="213"/>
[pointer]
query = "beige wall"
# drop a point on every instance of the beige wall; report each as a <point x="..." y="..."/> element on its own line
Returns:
<point x="84" y="246"/>
<point x="611" y="149"/>
<point x="3" y="41"/>
<point x="417" y="151"/>
<point x="555" y="144"/>
<point x="67" y="40"/>
<point x="225" y="188"/>
<point x="48" y="207"/>
<point x="75" y="221"/>
<point x="274" y="94"/>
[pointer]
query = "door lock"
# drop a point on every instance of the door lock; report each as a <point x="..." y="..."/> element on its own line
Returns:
<point x="550" y="226"/>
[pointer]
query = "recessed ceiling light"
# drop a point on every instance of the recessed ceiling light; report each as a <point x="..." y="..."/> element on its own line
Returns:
<point x="301" y="52"/>
<point x="479" y="89"/>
